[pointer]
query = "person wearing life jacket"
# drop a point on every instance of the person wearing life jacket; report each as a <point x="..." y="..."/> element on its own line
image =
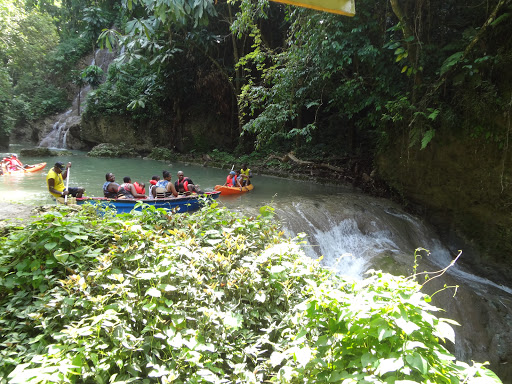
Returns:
<point x="55" y="182"/>
<point x="110" y="187"/>
<point x="127" y="190"/>
<point x="140" y="187"/>
<point x="152" y="186"/>
<point x="186" y="185"/>
<point x="246" y="174"/>
<point x="15" y="163"/>
<point x="165" y="187"/>
<point x="232" y="180"/>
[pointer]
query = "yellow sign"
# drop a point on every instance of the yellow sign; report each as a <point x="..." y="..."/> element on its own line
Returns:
<point x="342" y="7"/>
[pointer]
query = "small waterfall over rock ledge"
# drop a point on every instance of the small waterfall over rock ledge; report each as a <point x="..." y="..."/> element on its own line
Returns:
<point x="354" y="233"/>
<point x="57" y="136"/>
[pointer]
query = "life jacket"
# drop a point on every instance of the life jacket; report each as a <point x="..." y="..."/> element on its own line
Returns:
<point x="245" y="172"/>
<point x="124" y="191"/>
<point x="183" y="185"/>
<point x="229" y="180"/>
<point x="153" y="182"/>
<point x="108" y="194"/>
<point x="13" y="163"/>
<point x="139" y="188"/>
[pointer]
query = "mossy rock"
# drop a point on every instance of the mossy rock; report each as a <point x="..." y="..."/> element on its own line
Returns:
<point x="162" y="154"/>
<point x="43" y="152"/>
<point x="112" y="150"/>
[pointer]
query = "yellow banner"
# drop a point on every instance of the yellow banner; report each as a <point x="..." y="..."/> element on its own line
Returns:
<point x="342" y="7"/>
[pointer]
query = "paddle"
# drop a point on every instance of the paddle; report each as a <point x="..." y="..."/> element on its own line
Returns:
<point x="67" y="185"/>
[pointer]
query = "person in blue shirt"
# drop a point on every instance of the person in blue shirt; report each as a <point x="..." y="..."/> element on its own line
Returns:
<point x="167" y="185"/>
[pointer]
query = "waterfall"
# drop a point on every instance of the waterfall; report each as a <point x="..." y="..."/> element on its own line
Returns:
<point x="352" y="239"/>
<point x="355" y="233"/>
<point x="57" y="137"/>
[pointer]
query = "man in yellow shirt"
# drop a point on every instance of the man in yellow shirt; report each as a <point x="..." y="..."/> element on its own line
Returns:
<point x="55" y="181"/>
<point x="246" y="174"/>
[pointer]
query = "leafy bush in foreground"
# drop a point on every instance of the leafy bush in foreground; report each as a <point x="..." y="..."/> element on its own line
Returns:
<point x="209" y="297"/>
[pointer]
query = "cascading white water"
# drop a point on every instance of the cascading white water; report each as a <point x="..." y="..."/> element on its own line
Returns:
<point x="356" y="233"/>
<point x="352" y="239"/>
<point x="58" y="135"/>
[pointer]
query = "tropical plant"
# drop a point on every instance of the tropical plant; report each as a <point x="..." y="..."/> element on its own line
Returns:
<point x="211" y="297"/>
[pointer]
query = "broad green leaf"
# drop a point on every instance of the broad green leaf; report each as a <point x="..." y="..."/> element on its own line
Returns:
<point x="389" y="365"/>
<point x="276" y="358"/>
<point x="427" y="138"/>
<point x="417" y="362"/>
<point x="50" y="246"/>
<point x="385" y="332"/>
<point x="62" y="257"/>
<point x="407" y="326"/>
<point x="450" y="62"/>
<point x="232" y="320"/>
<point x="303" y="356"/>
<point x="153" y="292"/>
<point x="260" y="297"/>
<point x="444" y="331"/>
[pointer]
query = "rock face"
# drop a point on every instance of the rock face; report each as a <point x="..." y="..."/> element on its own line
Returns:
<point x="196" y="131"/>
<point x="464" y="187"/>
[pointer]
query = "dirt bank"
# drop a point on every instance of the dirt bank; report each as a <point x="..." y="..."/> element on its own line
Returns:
<point x="12" y="213"/>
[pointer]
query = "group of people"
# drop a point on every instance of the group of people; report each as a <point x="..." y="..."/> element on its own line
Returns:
<point x="239" y="178"/>
<point x="158" y="187"/>
<point x="10" y="163"/>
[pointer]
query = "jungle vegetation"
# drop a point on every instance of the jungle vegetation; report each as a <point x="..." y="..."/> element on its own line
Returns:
<point x="211" y="297"/>
<point x="298" y="78"/>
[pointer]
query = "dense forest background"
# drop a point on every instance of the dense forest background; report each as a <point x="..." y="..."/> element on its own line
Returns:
<point x="417" y="91"/>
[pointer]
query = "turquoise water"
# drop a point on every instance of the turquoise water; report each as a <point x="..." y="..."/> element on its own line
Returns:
<point x="89" y="172"/>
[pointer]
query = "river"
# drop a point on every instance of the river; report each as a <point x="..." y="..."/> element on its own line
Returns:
<point x="352" y="231"/>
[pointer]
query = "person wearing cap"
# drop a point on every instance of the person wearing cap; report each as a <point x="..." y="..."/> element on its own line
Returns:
<point x="185" y="185"/>
<point x="232" y="180"/>
<point x="55" y="181"/>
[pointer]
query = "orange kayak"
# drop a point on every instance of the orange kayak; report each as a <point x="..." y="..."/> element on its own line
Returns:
<point x="27" y="169"/>
<point x="233" y="190"/>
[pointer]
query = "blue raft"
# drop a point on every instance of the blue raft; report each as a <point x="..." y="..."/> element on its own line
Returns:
<point x="180" y="204"/>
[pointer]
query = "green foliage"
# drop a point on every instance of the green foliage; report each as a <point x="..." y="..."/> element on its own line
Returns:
<point x="131" y="89"/>
<point x="92" y="75"/>
<point x="112" y="150"/>
<point x="6" y="115"/>
<point x="209" y="297"/>
<point x="315" y="76"/>
<point x="222" y="157"/>
<point x="26" y="37"/>
<point x="162" y="154"/>
<point x="30" y="37"/>
<point x="67" y="54"/>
